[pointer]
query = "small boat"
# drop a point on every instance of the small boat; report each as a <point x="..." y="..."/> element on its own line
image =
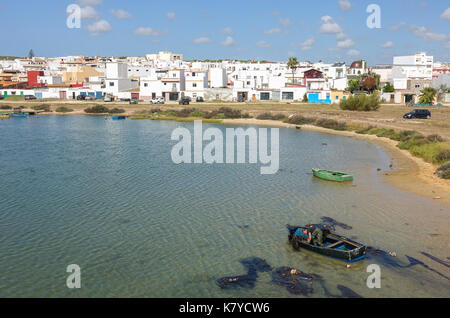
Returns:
<point x="18" y="115"/>
<point x="334" y="245"/>
<point x="119" y="117"/>
<point x="332" y="175"/>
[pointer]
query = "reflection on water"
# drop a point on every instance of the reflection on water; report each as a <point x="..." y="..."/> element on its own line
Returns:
<point x="105" y="195"/>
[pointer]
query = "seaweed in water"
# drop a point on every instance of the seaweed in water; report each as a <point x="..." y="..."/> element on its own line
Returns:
<point x="332" y="222"/>
<point x="257" y="264"/>
<point x="295" y="281"/>
<point x="253" y="266"/>
<point x="384" y="257"/>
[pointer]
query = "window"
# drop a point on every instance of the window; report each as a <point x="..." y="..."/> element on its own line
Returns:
<point x="337" y="97"/>
<point x="287" y="95"/>
<point x="145" y="84"/>
<point x="194" y="85"/>
<point x="111" y="84"/>
<point x="265" y="96"/>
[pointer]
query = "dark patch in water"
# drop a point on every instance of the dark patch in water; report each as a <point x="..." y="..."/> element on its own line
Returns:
<point x="295" y="281"/>
<point x="253" y="266"/>
<point x="257" y="264"/>
<point x="243" y="227"/>
<point x="384" y="257"/>
<point x="332" y="222"/>
<point x="123" y="221"/>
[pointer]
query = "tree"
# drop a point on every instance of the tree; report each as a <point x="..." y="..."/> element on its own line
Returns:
<point x="369" y="84"/>
<point x="388" y="88"/>
<point x="442" y="90"/>
<point x="305" y="98"/>
<point x="31" y="54"/>
<point x="353" y="85"/>
<point x="428" y="95"/>
<point x="292" y="64"/>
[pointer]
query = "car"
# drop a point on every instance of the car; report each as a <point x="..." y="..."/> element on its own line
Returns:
<point x="81" y="97"/>
<point x="108" y="99"/>
<point x="418" y="113"/>
<point x="157" y="100"/>
<point x="184" y="101"/>
<point x="199" y="99"/>
<point x="133" y="101"/>
<point x="30" y="97"/>
<point x="89" y="97"/>
<point x="125" y="99"/>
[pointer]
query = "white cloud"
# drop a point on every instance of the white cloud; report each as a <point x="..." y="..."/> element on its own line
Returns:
<point x="387" y="45"/>
<point x="353" y="53"/>
<point x="89" y="13"/>
<point x="341" y="36"/>
<point x="227" y="30"/>
<point x="99" y="27"/>
<point x="345" y="44"/>
<point x="446" y="14"/>
<point x="329" y="26"/>
<point x="263" y="44"/>
<point x="89" y="2"/>
<point x="307" y="45"/>
<point x="120" y="14"/>
<point x="345" y="5"/>
<point x="202" y="40"/>
<point x="272" y="31"/>
<point x="228" y="41"/>
<point x="397" y="26"/>
<point x="170" y="15"/>
<point x="146" y="31"/>
<point x="285" y="22"/>
<point x="428" y="34"/>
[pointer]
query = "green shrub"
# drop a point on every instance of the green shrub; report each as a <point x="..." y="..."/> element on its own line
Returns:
<point x="5" y="107"/>
<point x="428" y="151"/>
<point x="270" y="116"/>
<point x="63" y="109"/>
<point x="414" y="140"/>
<point x="97" y="109"/>
<point x="361" y="103"/>
<point x="300" y="120"/>
<point x="197" y="113"/>
<point x="435" y="138"/>
<point x="184" y="112"/>
<point x="331" y="124"/>
<point x="443" y="171"/>
<point x="219" y="116"/>
<point x="117" y="111"/>
<point x="43" y="107"/>
<point x="443" y="156"/>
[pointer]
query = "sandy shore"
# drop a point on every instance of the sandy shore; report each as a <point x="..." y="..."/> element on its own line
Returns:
<point x="409" y="173"/>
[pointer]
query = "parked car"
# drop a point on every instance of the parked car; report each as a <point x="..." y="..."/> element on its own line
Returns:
<point x="418" y="113"/>
<point x="81" y="97"/>
<point x="184" y="101"/>
<point x="200" y="99"/>
<point x="133" y="101"/>
<point x="157" y="100"/>
<point x="89" y="97"/>
<point x="125" y="99"/>
<point x="30" y="97"/>
<point x="108" y="99"/>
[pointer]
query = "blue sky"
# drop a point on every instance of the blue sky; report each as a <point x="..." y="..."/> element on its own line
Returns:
<point x="327" y="30"/>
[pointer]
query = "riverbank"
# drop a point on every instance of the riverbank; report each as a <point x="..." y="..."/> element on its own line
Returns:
<point x="409" y="173"/>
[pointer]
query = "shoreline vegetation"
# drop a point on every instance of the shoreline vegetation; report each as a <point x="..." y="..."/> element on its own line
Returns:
<point x="429" y="154"/>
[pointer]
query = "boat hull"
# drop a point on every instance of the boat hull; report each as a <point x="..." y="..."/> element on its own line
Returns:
<point x="332" y="175"/>
<point x="354" y="254"/>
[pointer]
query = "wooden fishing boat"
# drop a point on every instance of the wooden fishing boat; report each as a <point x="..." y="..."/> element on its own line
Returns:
<point x="332" y="175"/>
<point x="334" y="245"/>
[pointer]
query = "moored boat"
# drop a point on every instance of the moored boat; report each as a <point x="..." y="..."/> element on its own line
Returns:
<point x="334" y="245"/>
<point x="119" y="117"/>
<point x="18" y="115"/>
<point x="332" y="175"/>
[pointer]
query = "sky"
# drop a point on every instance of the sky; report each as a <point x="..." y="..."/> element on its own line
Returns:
<point x="321" y="30"/>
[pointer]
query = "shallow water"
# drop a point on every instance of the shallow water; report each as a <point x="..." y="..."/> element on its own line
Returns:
<point x="105" y="195"/>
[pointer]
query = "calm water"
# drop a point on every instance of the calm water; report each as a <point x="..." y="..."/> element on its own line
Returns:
<point x="105" y="195"/>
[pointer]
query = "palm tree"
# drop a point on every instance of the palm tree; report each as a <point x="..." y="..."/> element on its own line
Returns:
<point x="292" y="64"/>
<point x="428" y="94"/>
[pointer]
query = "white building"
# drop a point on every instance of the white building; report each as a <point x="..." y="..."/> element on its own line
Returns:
<point x="195" y="83"/>
<point x="218" y="77"/>
<point x="412" y="67"/>
<point x="117" y="79"/>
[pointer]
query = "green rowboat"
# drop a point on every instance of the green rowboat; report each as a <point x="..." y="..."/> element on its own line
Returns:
<point x="332" y="175"/>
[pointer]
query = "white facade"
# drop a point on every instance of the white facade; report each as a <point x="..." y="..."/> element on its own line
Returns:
<point x="218" y="77"/>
